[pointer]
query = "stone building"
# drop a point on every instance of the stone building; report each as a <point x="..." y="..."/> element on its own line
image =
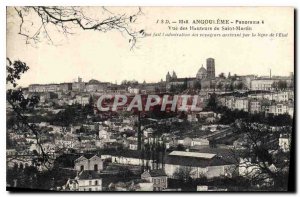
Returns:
<point x="262" y="84"/>
<point x="84" y="181"/>
<point x="210" y="67"/>
<point x="79" y="85"/>
<point x="284" y="142"/>
<point x="202" y="73"/>
<point x="157" y="177"/>
<point x="93" y="163"/>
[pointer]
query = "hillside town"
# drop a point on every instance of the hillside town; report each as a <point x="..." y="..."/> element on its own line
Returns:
<point x="240" y="140"/>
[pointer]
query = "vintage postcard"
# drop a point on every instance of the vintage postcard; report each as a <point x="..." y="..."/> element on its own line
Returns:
<point x="150" y="99"/>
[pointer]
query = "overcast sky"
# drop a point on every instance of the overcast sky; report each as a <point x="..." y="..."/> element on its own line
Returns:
<point x="107" y="56"/>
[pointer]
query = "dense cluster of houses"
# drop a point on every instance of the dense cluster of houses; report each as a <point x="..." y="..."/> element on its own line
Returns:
<point x="276" y="103"/>
<point x="202" y="152"/>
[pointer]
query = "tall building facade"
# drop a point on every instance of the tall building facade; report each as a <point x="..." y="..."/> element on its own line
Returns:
<point x="210" y="67"/>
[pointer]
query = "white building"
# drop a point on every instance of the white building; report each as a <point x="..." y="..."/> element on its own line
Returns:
<point x="281" y="108"/>
<point x="254" y="106"/>
<point x="284" y="142"/>
<point x="84" y="181"/>
<point x="199" y="142"/>
<point x="104" y="134"/>
<point x="199" y="164"/>
<point x="84" y="163"/>
<point x="133" y="145"/>
<point x="242" y="104"/>
<point x="82" y="100"/>
<point x="262" y="84"/>
<point x="157" y="177"/>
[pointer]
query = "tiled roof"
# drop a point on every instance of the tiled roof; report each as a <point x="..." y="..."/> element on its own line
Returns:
<point x="222" y="157"/>
<point x="197" y="162"/>
<point x="88" y="174"/>
<point x="73" y="181"/>
<point x="87" y="156"/>
<point x="192" y="154"/>
<point x="157" y="173"/>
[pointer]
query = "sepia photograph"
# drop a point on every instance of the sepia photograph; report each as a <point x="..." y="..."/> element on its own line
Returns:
<point x="150" y="99"/>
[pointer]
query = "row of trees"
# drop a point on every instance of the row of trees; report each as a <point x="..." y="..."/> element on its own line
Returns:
<point x="154" y="151"/>
<point x="28" y="177"/>
<point x="282" y="85"/>
<point x="129" y="82"/>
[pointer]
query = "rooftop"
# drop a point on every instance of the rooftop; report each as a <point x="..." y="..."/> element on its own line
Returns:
<point x="157" y="173"/>
<point x="192" y="154"/>
<point x="88" y="174"/>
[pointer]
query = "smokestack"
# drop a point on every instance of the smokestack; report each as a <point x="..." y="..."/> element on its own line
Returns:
<point x="270" y="74"/>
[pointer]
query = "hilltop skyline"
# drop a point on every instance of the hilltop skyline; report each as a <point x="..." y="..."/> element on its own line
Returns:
<point x="75" y="79"/>
<point x="107" y="56"/>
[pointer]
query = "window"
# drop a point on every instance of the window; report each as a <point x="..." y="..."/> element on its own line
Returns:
<point x="81" y="168"/>
<point x="96" y="182"/>
<point x="95" y="167"/>
<point x="90" y="189"/>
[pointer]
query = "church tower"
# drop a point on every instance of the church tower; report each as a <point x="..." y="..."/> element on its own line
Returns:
<point x="210" y="67"/>
<point x="174" y="76"/>
<point x="168" y="77"/>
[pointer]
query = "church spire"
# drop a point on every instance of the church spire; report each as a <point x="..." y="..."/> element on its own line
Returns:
<point x="174" y="76"/>
<point x="168" y="77"/>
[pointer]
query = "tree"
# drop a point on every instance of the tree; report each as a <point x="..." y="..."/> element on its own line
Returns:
<point x="282" y="85"/>
<point x="220" y="86"/>
<point x="222" y="75"/>
<point x="274" y="85"/>
<point x="65" y="118"/>
<point x="263" y="166"/>
<point x="212" y="102"/>
<point x="124" y="172"/>
<point x="180" y="147"/>
<point x="234" y="77"/>
<point x="183" y="174"/>
<point x="38" y="23"/>
<point x="231" y="88"/>
<point x="172" y="88"/>
<point x="130" y="83"/>
<point x="185" y="84"/>
<point x="240" y="86"/>
<point x="213" y="143"/>
<point x="20" y="105"/>
<point x="197" y="85"/>
<point x="51" y="19"/>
